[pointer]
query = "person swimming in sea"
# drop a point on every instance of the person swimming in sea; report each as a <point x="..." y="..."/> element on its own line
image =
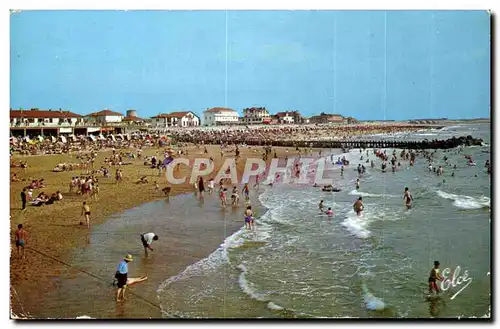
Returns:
<point x="408" y="198"/>
<point x="329" y="212"/>
<point x="358" y="206"/>
<point x="433" y="276"/>
<point x="357" y="184"/>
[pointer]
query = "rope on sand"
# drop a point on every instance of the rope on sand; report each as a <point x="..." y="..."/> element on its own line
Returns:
<point x="19" y="301"/>
<point x="92" y="275"/>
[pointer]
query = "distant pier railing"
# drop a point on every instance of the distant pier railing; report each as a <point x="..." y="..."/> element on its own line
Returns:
<point x="350" y="144"/>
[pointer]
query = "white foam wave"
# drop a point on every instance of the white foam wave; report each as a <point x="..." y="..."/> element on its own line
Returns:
<point x="274" y="307"/>
<point x="215" y="259"/>
<point x="246" y="285"/>
<point x="356" y="192"/>
<point x="82" y="317"/>
<point x="372" y="303"/>
<point x="464" y="201"/>
<point x="357" y="225"/>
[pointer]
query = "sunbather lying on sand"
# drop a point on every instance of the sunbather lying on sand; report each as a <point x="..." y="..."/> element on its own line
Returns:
<point x="132" y="281"/>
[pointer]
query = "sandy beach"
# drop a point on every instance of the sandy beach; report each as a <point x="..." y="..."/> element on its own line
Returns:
<point x="55" y="230"/>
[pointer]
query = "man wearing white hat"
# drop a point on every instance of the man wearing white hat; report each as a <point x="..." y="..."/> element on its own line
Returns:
<point x="121" y="276"/>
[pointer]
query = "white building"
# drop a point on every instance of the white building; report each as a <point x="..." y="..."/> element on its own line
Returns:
<point x="285" y="117"/>
<point x="176" y="119"/>
<point x="220" y="116"/>
<point x="255" y="115"/>
<point x="40" y="118"/>
<point x="104" y="116"/>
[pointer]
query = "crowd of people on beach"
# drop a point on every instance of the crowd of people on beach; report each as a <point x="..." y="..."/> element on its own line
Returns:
<point x="87" y="184"/>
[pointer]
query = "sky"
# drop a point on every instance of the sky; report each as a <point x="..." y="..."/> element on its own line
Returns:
<point x="371" y="65"/>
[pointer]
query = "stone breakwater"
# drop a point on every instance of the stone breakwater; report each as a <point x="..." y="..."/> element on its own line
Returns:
<point x="403" y="144"/>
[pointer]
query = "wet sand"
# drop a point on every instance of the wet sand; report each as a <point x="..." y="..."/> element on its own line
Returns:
<point x="189" y="228"/>
<point x="55" y="231"/>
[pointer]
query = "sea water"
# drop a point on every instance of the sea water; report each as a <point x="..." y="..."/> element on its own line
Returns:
<point x="299" y="262"/>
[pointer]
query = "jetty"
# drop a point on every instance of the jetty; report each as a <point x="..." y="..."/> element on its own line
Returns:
<point x="353" y="144"/>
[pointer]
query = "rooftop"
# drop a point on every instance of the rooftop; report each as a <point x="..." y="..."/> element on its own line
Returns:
<point x="103" y="113"/>
<point x="36" y="113"/>
<point x="219" y="109"/>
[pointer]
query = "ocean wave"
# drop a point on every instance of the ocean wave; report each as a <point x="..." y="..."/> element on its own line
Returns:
<point x="215" y="259"/>
<point x="357" y="225"/>
<point x="356" y="192"/>
<point x="464" y="201"/>
<point x="371" y="302"/>
<point x="246" y="286"/>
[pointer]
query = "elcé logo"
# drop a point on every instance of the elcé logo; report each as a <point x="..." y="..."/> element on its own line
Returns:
<point x="455" y="281"/>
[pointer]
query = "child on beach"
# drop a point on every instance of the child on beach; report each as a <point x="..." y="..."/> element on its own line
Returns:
<point x="21" y="238"/>
<point x="235" y="197"/>
<point x="246" y="191"/>
<point x="211" y="185"/>
<point x="249" y="221"/>
<point x="222" y="196"/>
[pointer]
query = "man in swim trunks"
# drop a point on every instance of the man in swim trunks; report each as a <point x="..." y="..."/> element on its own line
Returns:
<point x="21" y="238"/>
<point x="433" y="276"/>
<point x="121" y="276"/>
<point x="147" y="240"/>
<point x="86" y="212"/>
<point x="408" y="198"/>
<point x="357" y="184"/>
<point x="249" y="218"/>
<point x="358" y="206"/>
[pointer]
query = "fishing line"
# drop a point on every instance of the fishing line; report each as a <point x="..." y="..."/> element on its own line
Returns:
<point x="92" y="275"/>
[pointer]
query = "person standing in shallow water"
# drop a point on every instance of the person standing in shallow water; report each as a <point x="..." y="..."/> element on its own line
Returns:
<point x="147" y="240"/>
<point x="249" y="224"/>
<point x="433" y="276"/>
<point x="408" y="198"/>
<point x="201" y="186"/>
<point x="358" y="206"/>
<point x="121" y="276"/>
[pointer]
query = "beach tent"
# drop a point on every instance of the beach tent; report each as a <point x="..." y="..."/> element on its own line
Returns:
<point x="40" y="138"/>
<point x="112" y="137"/>
<point x="127" y="136"/>
<point x="101" y="137"/>
<point x="120" y="136"/>
<point x="27" y="138"/>
<point x="53" y="139"/>
<point x="92" y="138"/>
<point x="63" y="139"/>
